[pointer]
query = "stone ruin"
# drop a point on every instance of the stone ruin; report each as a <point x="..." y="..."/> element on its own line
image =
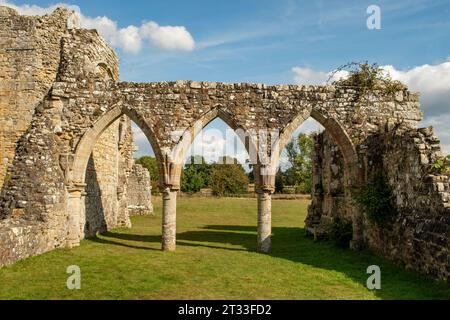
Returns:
<point x="115" y="187"/>
<point x="66" y="148"/>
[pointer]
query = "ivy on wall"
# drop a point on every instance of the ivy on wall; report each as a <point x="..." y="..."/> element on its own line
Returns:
<point x="376" y="198"/>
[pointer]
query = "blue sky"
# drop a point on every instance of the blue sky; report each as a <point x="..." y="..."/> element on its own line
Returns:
<point x="284" y="41"/>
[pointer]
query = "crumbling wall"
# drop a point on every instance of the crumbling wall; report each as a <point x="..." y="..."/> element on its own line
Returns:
<point x="139" y="191"/>
<point x="29" y="62"/>
<point x="418" y="236"/>
<point x="34" y="53"/>
<point x="328" y="200"/>
<point x="109" y="180"/>
<point x="102" y="177"/>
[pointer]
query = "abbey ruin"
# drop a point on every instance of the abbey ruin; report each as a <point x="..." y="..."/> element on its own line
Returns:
<point x="67" y="170"/>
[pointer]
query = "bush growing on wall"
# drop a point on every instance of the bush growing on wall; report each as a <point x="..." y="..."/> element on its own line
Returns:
<point x="341" y="233"/>
<point x="376" y="198"/>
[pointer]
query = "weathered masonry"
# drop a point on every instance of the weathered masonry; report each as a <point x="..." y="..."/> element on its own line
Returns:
<point x="43" y="199"/>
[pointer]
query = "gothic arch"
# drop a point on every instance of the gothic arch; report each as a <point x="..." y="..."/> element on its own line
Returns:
<point x="193" y="130"/>
<point x="84" y="147"/>
<point x="337" y="132"/>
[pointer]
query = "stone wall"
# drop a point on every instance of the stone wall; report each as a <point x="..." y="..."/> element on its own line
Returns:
<point x="139" y="191"/>
<point x="34" y="53"/>
<point x="29" y="62"/>
<point x="102" y="182"/>
<point x="328" y="200"/>
<point x="419" y="235"/>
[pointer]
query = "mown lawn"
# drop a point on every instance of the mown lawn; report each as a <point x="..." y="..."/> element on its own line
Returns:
<point x="215" y="259"/>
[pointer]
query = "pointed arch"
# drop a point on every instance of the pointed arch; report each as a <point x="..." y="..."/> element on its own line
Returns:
<point x="247" y="137"/>
<point x="86" y="144"/>
<point x="337" y="132"/>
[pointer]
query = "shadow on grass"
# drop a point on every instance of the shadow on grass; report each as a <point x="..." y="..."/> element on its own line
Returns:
<point x="292" y="244"/>
<point x="107" y="238"/>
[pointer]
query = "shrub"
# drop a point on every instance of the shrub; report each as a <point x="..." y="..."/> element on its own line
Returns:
<point x="367" y="77"/>
<point x="228" y="179"/>
<point x="341" y="232"/>
<point x="376" y="198"/>
<point x="192" y="179"/>
<point x="441" y="166"/>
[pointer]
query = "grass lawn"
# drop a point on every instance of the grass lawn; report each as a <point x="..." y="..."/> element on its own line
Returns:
<point x="215" y="259"/>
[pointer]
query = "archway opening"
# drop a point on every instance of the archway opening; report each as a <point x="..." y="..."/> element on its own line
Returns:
<point x="118" y="179"/>
<point x="313" y="172"/>
<point x="217" y="163"/>
<point x="216" y="176"/>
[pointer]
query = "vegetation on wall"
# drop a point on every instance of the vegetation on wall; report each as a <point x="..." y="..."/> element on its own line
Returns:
<point x="376" y="198"/>
<point x="341" y="232"/>
<point x="441" y="166"/>
<point x="367" y="77"/>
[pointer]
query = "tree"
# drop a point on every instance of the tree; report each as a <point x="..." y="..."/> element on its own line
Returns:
<point x="192" y="180"/>
<point x="279" y="181"/>
<point x="152" y="166"/>
<point x="228" y="179"/>
<point x="195" y="175"/>
<point x="299" y="152"/>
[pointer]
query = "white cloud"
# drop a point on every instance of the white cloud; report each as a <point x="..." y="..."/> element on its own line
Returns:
<point x="432" y="81"/>
<point x="131" y="38"/>
<point x="310" y="76"/>
<point x="441" y="126"/>
<point x="168" y="37"/>
<point x="214" y="143"/>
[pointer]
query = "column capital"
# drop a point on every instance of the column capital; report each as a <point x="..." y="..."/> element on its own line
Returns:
<point x="265" y="189"/>
<point x="76" y="189"/>
<point x="169" y="188"/>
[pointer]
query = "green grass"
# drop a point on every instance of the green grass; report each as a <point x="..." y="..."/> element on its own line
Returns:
<point x="215" y="259"/>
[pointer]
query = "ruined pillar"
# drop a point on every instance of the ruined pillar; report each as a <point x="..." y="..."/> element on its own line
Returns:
<point x="169" y="219"/>
<point x="75" y="210"/>
<point x="264" y="221"/>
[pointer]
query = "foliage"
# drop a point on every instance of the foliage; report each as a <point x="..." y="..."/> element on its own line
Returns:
<point x="377" y="200"/>
<point x="279" y="181"/>
<point x="299" y="152"/>
<point x="341" y="232"/>
<point x="195" y="175"/>
<point x="251" y="175"/>
<point x="367" y="77"/>
<point x="228" y="179"/>
<point x="151" y="165"/>
<point x="441" y="166"/>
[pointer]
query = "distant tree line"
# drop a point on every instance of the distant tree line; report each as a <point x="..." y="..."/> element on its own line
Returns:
<point x="228" y="177"/>
<point x="225" y="177"/>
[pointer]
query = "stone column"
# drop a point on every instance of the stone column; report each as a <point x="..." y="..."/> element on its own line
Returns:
<point x="169" y="219"/>
<point x="75" y="212"/>
<point x="264" y="221"/>
<point x="357" y="242"/>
